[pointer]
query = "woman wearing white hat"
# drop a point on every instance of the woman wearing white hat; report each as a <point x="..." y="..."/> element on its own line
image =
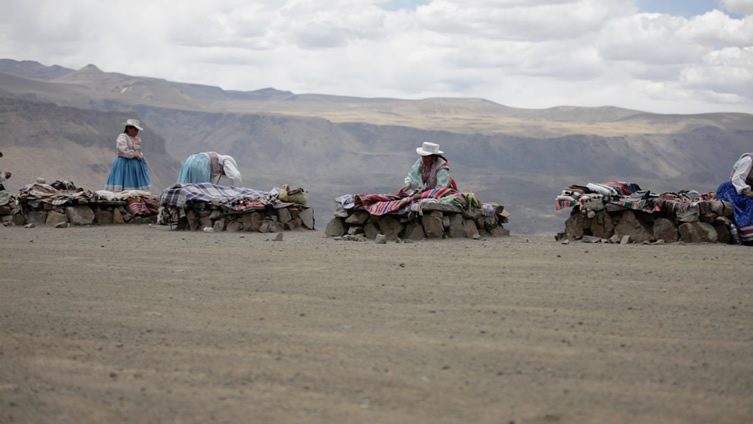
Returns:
<point x="431" y="170"/>
<point x="129" y="170"/>
<point x="208" y="167"/>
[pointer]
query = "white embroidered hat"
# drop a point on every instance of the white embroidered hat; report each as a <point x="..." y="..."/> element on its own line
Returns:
<point x="429" y="148"/>
<point x="133" y="123"/>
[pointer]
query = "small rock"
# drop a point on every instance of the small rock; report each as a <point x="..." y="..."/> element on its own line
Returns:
<point x="565" y="241"/>
<point x="625" y="239"/>
<point x="29" y="225"/>
<point x="380" y="239"/>
<point x="208" y="229"/>
<point x="61" y="225"/>
<point x="278" y="237"/>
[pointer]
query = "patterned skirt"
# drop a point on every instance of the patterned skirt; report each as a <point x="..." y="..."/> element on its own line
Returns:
<point x="128" y="174"/>
<point x="196" y="169"/>
<point x="743" y="209"/>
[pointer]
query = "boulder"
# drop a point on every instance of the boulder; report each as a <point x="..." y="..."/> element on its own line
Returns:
<point x="601" y="225"/>
<point x="219" y="225"/>
<point x="283" y="215"/>
<point x="19" y="219"/>
<point x="335" y="228"/>
<point x="723" y="234"/>
<point x="432" y="223"/>
<point x="80" y="215"/>
<point x="664" y="229"/>
<point x="117" y="218"/>
<point x="574" y="226"/>
<point x="630" y="226"/>
<point x="414" y="231"/>
<point x="698" y="232"/>
<point x="307" y="218"/>
<point x="271" y="226"/>
<point x="103" y="216"/>
<point x="370" y="230"/>
<point x="54" y="218"/>
<point x="469" y="229"/>
<point x="389" y="226"/>
<point x="293" y="223"/>
<point x="355" y="229"/>
<point x="357" y="218"/>
<point x="233" y="226"/>
<point x="251" y="221"/>
<point x="456" y="228"/>
<point x="36" y="217"/>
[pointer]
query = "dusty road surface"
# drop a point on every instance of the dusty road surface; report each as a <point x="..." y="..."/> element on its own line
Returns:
<point x="140" y="324"/>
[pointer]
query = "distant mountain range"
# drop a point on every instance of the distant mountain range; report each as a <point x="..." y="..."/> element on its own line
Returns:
<point x="61" y="123"/>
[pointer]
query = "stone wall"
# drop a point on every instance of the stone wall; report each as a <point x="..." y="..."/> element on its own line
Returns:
<point x="704" y="222"/>
<point x="204" y="216"/>
<point x="71" y="214"/>
<point x="435" y="221"/>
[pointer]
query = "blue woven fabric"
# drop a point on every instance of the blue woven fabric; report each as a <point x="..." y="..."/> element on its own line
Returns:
<point x="196" y="169"/>
<point x="128" y="174"/>
<point x="742" y="206"/>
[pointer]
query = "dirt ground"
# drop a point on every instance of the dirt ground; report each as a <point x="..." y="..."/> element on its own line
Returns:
<point x="141" y="324"/>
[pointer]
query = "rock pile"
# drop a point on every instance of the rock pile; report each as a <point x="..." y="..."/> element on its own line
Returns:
<point x="61" y="204"/>
<point x="705" y="221"/>
<point x="430" y="221"/>
<point x="211" y="207"/>
<point x="198" y="216"/>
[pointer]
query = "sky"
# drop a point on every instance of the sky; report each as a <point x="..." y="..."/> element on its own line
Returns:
<point x="665" y="56"/>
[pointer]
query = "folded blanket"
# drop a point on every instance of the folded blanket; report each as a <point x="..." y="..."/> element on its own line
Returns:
<point x="235" y="198"/>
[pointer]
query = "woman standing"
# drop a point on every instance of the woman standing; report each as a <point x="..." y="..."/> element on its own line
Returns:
<point x="738" y="192"/>
<point x="129" y="171"/>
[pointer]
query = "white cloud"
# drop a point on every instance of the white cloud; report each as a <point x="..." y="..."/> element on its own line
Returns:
<point x="526" y="53"/>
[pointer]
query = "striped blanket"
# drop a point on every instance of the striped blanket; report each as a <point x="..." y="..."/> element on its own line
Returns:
<point x="382" y="204"/>
<point x="235" y="198"/>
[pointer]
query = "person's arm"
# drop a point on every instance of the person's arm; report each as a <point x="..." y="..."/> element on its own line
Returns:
<point x="124" y="150"/>
<point x="230" y="171"/>
<point x="413" y="179"/>
<point x="740" y="174"/>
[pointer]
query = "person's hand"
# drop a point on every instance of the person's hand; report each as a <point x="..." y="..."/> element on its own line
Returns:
<point x="404" y="188"/>
<point x="405" y="201"/>
<point x="8" y="174"/>
<point x="749" y="193"/>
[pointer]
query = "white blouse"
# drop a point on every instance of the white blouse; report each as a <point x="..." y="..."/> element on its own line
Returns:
<point x="741" y="172"/>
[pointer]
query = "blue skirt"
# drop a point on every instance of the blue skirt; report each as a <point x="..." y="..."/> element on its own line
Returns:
<point x="128" y="174"/>
<point x="742" y="206"/>
<point x="196" y="169"/>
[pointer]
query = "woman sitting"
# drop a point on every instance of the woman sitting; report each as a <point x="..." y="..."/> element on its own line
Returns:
<point x="738" y="192"/>
<point x="431" y="170"/>
<point x="209" y="167"/>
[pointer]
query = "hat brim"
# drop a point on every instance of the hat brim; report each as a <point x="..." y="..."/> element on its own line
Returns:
<point x="423" y="152"/>
<point x="127" y="124"/>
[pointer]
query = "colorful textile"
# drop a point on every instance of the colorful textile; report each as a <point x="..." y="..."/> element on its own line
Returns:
<point x="382" y="204"/>
<point x="128" y="174"/>
<point x="235" y="198"/>
<point x="137" y="206"/>
<point x="742" y="209"/>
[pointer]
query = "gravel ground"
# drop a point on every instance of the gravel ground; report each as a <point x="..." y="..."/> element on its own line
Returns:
<point x="141" y="324"/>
